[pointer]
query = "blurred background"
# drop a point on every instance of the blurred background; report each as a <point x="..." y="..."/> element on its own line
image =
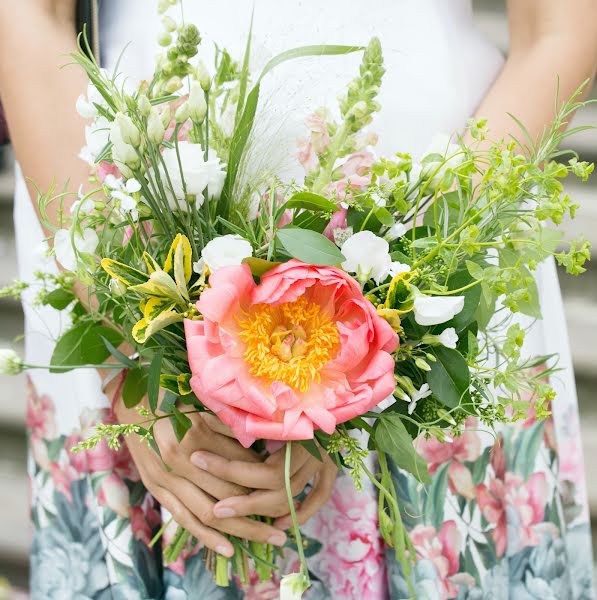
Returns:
<point x="580" y="297"/>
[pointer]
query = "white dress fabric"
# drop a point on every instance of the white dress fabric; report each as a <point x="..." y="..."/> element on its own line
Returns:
<point x="438" y="68"/>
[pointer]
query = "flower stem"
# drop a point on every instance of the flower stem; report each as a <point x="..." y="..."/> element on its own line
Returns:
<point x="295" y="526"/>
<point x="222" y="563"/>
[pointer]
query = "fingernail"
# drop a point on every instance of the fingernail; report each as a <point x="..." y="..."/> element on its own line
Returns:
<point x="277" y="540"/>
<point x="225" y="551"/>
<point x="223" y="512"/>
<point x="198" y="461"/>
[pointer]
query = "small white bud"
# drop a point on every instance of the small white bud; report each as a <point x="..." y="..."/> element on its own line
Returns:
<point x="203" y="76"/>
<point x="197" y="106"/>
<point x="144" y="105"/>
<point x="117" y="287"/>
<point x="173" y="85"/>
<point x="128" y="131"/>
<point x="155" y="127"/>
<point x="182" y="112"/>
<point x="10" y="362"/>
<point x="169" y="24"/>
<point x="164" y="39"/>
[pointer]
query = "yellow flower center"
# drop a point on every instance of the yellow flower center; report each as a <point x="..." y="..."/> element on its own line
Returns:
<point x="289" y="343"/>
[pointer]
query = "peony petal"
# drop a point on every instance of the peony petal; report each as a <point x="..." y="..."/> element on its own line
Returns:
<point x="321" y="417"/>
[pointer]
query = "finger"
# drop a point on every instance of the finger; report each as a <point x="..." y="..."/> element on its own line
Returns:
<point x="266" y="503"/>
<point x="266" y="476"/>
<point x="202" y="507"/>
<point x="215" y="424"/>
<point x="207" y="536"/>
<point x="317" y="497"/>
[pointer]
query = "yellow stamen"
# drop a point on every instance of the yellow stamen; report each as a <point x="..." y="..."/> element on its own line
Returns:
<point x="289" y="343"/>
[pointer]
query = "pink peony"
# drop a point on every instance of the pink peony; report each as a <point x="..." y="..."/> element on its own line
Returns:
<point x="302" y="350"/>
<point x="442" y="549"/>
<point x="467" y="447"/>
<point x="351" y="562"/>
<point x="514" y="501"/>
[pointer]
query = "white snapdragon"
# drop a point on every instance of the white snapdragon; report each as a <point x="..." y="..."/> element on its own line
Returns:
<point x="368" y="256"/>
<point x="423" y="392"/>
<point x="10" y="362"/>
<point x="224" y="251"/>
<point x="448" y="338"/>
<point x="397" y="230"/>
<point x="67" y="245"/>
<point x="197" y="173"/>
<point x="433" y="310"/>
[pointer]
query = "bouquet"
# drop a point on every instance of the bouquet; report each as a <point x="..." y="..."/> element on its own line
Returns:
<point x="376" y="295"/>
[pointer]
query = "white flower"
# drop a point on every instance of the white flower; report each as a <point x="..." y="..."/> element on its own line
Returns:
<point x="368" y="256"/>
<point x="97" y="136"/>
<point x="397" y="267"/>
<point x="448" y="337"/>
<point x="87" y="106"/>
<point x="82" y="207"/>
<point x="155" y="127"/>
<point x="417" y="395"/>
<point x="378" y="199"/>
<point x="224" y="251"/>
<point x="66" y="254"/>
<point x="198" y="173"/>
<point x="292" y="586"/>
<point x="122" y="194"/>
<point x="397" y="230"/>
<point x="122" y="152"/>
<point x="197" y="104"/>
<point x="432" y="310"/>
<point x="452" y="154"/>
<point x="117" y="287"/>
<point x="10" y="362"/>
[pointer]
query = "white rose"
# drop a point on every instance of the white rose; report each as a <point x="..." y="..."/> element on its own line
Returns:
<point x="397" y="230"/>
<point x="448" y="338"/>
<point x="368" y="256"/>
<point x="198" y="174"/>
<point x="432" y="310"/>
<point x="224" y="251"/>
<point x="66" y="253"/>
<point x="10" y="362"/>
<point x="97" y="136"/>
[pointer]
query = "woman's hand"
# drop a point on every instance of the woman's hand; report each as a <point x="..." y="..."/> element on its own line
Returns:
<point x="188" y="493"/>
<point x="267" y="479"/>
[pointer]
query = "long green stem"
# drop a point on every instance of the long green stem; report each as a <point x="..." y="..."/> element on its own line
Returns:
<point x="295" y="526"/>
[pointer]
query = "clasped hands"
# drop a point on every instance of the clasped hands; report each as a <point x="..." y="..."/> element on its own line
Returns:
<point x="211" y="484"/>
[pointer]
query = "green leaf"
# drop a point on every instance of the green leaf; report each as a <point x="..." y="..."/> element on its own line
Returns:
<point x="304" y="51"/>
<point x="311" y="201"/>
<point x="135" y="387"/>
<point x="59" y="299"/>
<point x="181" y="423"/>
<point x="309" y="246"/>
<point x="125" y="361"/>
<point x="392" y="438"/>
<point x="449" y="377"/>
<point x="260" y="266"/>
<point x="315" y="221"/>
<point x="83" y="345"/>
<point x="168" y="401"/>
<point x="153" y="382"/>
<point x="311" y="447"/>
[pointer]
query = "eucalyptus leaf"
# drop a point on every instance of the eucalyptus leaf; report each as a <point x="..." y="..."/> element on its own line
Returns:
<point x="311" y="201"/>
<point x="309" y="246"/>
<point x="135" y="387"/>
<point x="153" y="382"/>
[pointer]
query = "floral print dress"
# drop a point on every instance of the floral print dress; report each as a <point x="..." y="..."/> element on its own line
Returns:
<point x="505" y="516"/>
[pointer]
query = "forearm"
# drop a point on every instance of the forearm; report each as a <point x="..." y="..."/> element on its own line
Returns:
<point x="526" y="88"/>
<point x="39" y="95"/>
